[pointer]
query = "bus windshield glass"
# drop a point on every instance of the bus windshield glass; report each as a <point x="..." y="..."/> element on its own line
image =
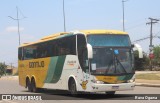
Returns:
<point x="109" y="40"/>
<point x="112" y="54"/>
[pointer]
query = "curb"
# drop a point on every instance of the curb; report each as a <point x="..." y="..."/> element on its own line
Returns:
<point x="9" y="78"/>
<point x="147" y="85"/>
<point x="146" y="72"/>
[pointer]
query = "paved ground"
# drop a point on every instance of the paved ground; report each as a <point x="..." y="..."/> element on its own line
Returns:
<point x="12" y="86"/>
<point x="9" y="85"/>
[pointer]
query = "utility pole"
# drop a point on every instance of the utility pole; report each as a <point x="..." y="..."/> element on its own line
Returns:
<point x="123" y="1"/>
<point x="18" y="27"/>
<point x="64" y="17"/>
<point x="152" y="21"/>
<point x="17" y="19"/>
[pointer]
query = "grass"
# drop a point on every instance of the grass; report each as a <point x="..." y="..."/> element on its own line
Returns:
<point x="148" y="76"/>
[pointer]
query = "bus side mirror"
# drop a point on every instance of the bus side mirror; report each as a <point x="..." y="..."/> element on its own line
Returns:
<point x="90" y="51"/>
<point x="140" y="51"/>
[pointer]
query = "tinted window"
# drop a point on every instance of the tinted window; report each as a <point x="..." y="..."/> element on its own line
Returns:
<point x="30" y="52"/>
<point x="67" y="46"/>
<point x="109" y="40"/>
<point x="62" y="46"/>
<point x="20" y="53"/>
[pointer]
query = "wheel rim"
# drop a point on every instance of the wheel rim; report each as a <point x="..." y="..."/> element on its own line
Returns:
<point x="73" y="88"/>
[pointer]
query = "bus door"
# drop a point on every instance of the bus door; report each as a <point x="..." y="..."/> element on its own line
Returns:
<point x="83" y="61"/>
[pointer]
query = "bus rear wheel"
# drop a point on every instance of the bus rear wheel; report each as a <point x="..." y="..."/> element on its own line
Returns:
<point x="33" y="86"/>
<point x="28" y="85"/>
<point x="72" y="88"/>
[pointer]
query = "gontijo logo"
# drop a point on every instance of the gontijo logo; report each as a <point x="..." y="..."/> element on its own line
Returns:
<point x="36" y="64"/>
<point x="71" y="63"/>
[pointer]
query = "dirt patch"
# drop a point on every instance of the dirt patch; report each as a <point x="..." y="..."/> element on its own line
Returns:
<point x="148" y="76"/>
<point x="147" y="81"/>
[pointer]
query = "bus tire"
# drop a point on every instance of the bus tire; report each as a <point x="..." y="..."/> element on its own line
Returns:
<point x="72" y="87"/>
<point x="33" y="86"/>
<point x="110" y="93"/>
<point x="28" y="85"/>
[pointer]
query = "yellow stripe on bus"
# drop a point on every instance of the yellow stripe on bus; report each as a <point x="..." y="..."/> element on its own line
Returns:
<point x="34" y="68"/>
<point x="109" y="79"/>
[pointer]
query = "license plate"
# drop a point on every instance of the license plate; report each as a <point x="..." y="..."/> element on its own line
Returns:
<point x="115" y="87"/>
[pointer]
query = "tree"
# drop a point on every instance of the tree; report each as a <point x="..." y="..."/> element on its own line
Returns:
<point x="3" y="67"/>
<point x="140" y="63"/>
<point x="156" y="52"/>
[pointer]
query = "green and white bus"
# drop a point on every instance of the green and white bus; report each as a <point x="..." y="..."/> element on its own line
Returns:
<point x="78" y="61"/>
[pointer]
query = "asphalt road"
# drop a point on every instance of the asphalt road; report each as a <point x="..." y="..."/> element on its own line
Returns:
<point x="12" y="87"/>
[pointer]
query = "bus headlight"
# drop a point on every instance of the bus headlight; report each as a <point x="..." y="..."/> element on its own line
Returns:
<point x="97" y="81"/>
<point x="94" y="80"/>
<point x="131" y="81"/>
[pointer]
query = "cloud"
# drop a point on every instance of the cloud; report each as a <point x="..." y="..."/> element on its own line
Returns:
<point x="14" y="29"/>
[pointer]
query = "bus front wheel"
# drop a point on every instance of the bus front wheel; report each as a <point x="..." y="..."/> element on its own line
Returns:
<point x="110" y="93"/>
<point x="72" y="88"/>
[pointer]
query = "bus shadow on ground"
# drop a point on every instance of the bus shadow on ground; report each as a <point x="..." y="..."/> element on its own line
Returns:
<point x="51" y="94"/>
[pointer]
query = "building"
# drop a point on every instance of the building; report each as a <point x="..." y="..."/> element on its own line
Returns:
<point x="11" y="70"/>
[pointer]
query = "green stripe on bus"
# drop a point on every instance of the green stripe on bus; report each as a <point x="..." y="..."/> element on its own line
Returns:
<point x="55" y="69"/>
<point x="58" y="69"/>
<point x="51" y="69"/>
<point x="128" y="77"/>
<point x="125" y="77"/>
<point x="121" y="77"/>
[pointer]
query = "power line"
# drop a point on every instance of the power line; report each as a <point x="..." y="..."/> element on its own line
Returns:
<point x="152" y="21"/>
<point x="139" y="40"/>
<point x="22" y="13"/>
<point x="155" y="36"/>
<point x="135" y="26"/>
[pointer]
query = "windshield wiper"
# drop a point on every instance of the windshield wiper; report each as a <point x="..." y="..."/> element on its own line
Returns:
<point x="120" y="64"/>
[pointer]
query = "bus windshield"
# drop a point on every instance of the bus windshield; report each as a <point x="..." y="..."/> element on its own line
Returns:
<point x="109" y="40"/>
<point x="112" y="54"/>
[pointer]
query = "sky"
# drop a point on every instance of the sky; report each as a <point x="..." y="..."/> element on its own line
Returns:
<point x="45" y="17"/>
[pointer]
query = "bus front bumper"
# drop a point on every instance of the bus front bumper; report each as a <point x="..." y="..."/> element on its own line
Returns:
<point x="112" y="87"/>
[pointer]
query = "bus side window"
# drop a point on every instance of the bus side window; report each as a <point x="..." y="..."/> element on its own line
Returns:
<point x="20" y="56"/>
<point x="67" y="45"/>
<point x="29" y="52"/>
